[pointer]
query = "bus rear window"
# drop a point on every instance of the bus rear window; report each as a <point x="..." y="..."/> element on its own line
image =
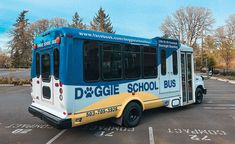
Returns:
<point x="46" y="67"/>
<point x="37" y="65"/>
<point x="56" y="63"/>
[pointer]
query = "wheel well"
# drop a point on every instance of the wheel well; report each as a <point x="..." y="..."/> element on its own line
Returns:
<point x="136" y="101"/>
<point x="200" y="87"/>
<point x="123" y="108"/>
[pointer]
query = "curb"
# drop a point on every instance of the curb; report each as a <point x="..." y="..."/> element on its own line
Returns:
<point x="26" y="85"/>
<point x="7" y="85"/>
<point x="224" y="80"/>
<point x="11" y="85"/>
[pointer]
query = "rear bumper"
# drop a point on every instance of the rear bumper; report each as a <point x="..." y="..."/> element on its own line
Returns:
<point x="50" y="119"/>
<point x="204" y="91"/>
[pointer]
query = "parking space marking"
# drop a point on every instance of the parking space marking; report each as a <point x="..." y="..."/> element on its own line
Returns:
<point x="219" y="108"/>
<point x="220" y="105"/>
<point x="57" y="136"/>
<point x="198" y="134"/>
<point x="151" y="138"/>
<point x="23" y="128"/>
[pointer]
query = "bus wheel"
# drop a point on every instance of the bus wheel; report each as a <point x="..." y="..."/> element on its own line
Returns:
<point x="199" y="96"/>
<point x="132" y="115"/>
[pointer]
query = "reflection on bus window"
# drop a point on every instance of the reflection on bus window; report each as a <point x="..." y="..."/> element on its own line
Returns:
<point x="46" y="67"/>
<point x="91" y="60"/>
<point x="132" y="61"/>
<point x="163" y="62"/>
<point x="175" y="65"/>
<point x="56" y="63"/>
<point x="112" y="62"/>
<point x="149" y="62"/>
<point x="37" y="65"/>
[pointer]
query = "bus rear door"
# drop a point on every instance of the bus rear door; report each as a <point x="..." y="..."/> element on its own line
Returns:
<point x="46" y="76"/>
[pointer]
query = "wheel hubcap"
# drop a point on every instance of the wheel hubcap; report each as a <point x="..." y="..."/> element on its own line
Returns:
<point x="133" y="115"/>
<point x="199" y="97"/>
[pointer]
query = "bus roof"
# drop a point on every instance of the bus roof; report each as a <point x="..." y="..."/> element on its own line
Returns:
<point x="89" y="34"/>
<point x="186" y="48"/>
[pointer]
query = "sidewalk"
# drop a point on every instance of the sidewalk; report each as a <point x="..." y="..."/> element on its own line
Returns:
<point x="224" y="80"/>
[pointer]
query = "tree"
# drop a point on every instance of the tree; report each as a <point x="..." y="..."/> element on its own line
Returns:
<point x="101" y="22"/>
<point x="58" y="22"/>
<point x="39" y="26"/>
<point x="209" y="44"/>
<point x="5" y="61"/>
<point x="20" y="45"/>
<point x="225" y="45"/>
<point x="77" y="22"/>
<point x="231" y="27"/>
<point x="188" y="24"/>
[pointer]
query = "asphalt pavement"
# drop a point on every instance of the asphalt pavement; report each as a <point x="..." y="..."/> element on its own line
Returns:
<point x="211" y="122"/>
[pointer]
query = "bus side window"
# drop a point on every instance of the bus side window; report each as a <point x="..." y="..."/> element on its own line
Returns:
<point x="175" y="65"/>
<point x="112" y="61"/>
<point x="163" y="62"/>
<point x="149" y="62"/>
<point x="56" y="63"/>
<point x="91" y="59"/>
<point x="132" y="62"/>
<point x="37" y="65"/>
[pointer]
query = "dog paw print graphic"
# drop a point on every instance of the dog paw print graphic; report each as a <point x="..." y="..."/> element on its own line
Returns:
<point x="88" y="92"/>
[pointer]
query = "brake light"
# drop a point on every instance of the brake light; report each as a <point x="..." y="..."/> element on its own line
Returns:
<point x="61" y="84"/>
<point x="56" y="85"/>
<point x="61" y="90"/>
<point x="64" y="113"/>
<point x="57" y="40"/>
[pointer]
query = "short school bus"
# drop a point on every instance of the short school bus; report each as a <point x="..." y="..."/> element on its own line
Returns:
<point x="81" y="76"/>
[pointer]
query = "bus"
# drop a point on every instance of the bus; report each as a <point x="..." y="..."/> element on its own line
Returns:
<point x="82" y="76"/>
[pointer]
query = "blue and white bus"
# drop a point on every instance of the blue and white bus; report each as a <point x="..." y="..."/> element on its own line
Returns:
<point x="81" y="76"/>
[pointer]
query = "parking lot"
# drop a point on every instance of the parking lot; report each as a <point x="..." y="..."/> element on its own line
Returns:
<point x="211" y="122"/>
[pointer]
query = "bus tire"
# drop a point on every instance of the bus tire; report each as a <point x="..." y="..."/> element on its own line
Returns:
<point x="199" y="96"/>
<point x="132" y="115"/>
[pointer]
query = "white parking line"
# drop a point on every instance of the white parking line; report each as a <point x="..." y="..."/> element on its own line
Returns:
<point x="57" y="136"/>
<point x="220" y="105"/>
<point x="151" y="138"/>
<point x="220" y="108"/>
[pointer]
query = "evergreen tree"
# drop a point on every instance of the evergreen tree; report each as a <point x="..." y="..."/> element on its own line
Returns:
<point x="77" y="22"/>
<point x="21" y="42"/>
<point x="101" y="22"/>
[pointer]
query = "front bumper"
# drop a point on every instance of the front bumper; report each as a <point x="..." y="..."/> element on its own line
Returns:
<point x="50" y="119"/>
<point x="204" y="91"/>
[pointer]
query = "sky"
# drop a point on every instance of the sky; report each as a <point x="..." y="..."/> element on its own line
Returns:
<point x="140" y="18"/>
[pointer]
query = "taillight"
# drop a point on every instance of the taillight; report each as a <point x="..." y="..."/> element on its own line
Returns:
<point x="56" y="85"/>
<point x="35" y="46"/>
<point x="61" y="90"/>
<point x="57" y="40"/>
<point x="61" y="84"/>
